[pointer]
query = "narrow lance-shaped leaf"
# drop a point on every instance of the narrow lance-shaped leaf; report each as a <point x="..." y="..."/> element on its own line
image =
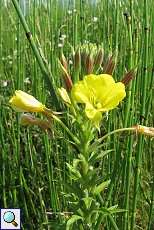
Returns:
<point x="72" y="220"/>
<point x="101" y="187"/>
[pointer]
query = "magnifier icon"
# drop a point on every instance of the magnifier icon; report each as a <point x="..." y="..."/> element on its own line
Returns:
<point x="9" y="217"/>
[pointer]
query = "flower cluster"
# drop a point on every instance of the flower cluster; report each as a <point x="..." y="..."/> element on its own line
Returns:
<point x="99" y="93"/>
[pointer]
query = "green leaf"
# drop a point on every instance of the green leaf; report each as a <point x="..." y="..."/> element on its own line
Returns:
<point x="101" y="187"/>
<point x="115" y="209"/>
<point x="97" y="147"/>
<point x="108" y="211"/>
<point x="76" y="162"/>
<point x="72" y="220"/>
<point x="73" y="188"/>
<point x="95" y="156"/>
<point x="104" y="153"/>
<point x="88" y="201"/>
<point x="90" y="179"/>
<point x="84" y="163"/>
<point x="94" y="147"/>
<point x="74" y="173"/>
<point x="103" y="211"/>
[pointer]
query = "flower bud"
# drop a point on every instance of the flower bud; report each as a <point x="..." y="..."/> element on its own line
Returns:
<point x="67" y="78"/>
<point x="64" y="62"/>
<point x="109" y="65"/>
<point x="28" y="119"/>
<point x="64" y="95"/>
<point x="89" y="64"/>
<point x="149" y="131"/>
<point x="23" y="102"/>
<point x="128" y="77"/>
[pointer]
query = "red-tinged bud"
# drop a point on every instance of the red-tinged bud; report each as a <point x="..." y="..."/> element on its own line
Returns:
<point x="99" y="58"/>
<point x="89" y="64"/>
<point x="109" y="66"/>
<point x="128" y="77"/>
<point x="67" y="78"/>
<point x="83" y="58"/>
<point x="68" y="82"/>
<point x="64" y="62"/>
<point x="29" y="120"/>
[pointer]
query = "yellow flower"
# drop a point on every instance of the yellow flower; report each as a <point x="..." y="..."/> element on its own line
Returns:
<point x="99" y="93"/>
<point x="23" y="102"/>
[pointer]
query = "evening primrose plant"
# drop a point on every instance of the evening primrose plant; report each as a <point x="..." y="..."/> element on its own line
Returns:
<point x="88" y="97"/>
<point x="84" y="185"/>
<point x="87" y="101"/>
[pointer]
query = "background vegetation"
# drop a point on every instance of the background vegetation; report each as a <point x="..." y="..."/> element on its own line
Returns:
<point x="32" y="164"/>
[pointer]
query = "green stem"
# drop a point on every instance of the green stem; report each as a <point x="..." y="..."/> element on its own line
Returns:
<point x="44" y="68"/>
<point x="116" y="131"/>
<point x="97" y="227"/>
<point x="75" y="139"/>
<point x="128" y="121"/>
<point x="100" y="219"/>
<point x="136" y="181"/>
<point x="143" y="111"/>
<point x="151" y="207"/>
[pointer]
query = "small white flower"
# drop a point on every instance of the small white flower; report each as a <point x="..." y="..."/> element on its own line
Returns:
<point x="86" y="42"/>
<point x="60" y="45"/>
<point x="27" y="80"/>
<point x="70" y="62"/>
<point x="14" y="52"/>
<point x="91" y="168"/>
<point x="9" y="57"/>
<point x="4" y="83"/>
<point x="63" y="36"/>
<point x="95" y="19"/>
<point x="69" y="12"/>
<point x="61" y="39"/>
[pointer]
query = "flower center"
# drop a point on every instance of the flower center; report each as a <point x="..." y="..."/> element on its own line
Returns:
<point x="94" y="101"/>
<point x="98" y="105"/>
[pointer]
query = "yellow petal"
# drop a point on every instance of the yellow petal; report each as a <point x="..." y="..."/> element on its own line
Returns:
<point x="80" y="92"/>
<point x="93" y="114"/>
<point x="23" y="102"/>
<point x="113" y="99"/>
<point x="99" y="84"/>
<point x="105" y="91"/>
<point x="99" y="93"/>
